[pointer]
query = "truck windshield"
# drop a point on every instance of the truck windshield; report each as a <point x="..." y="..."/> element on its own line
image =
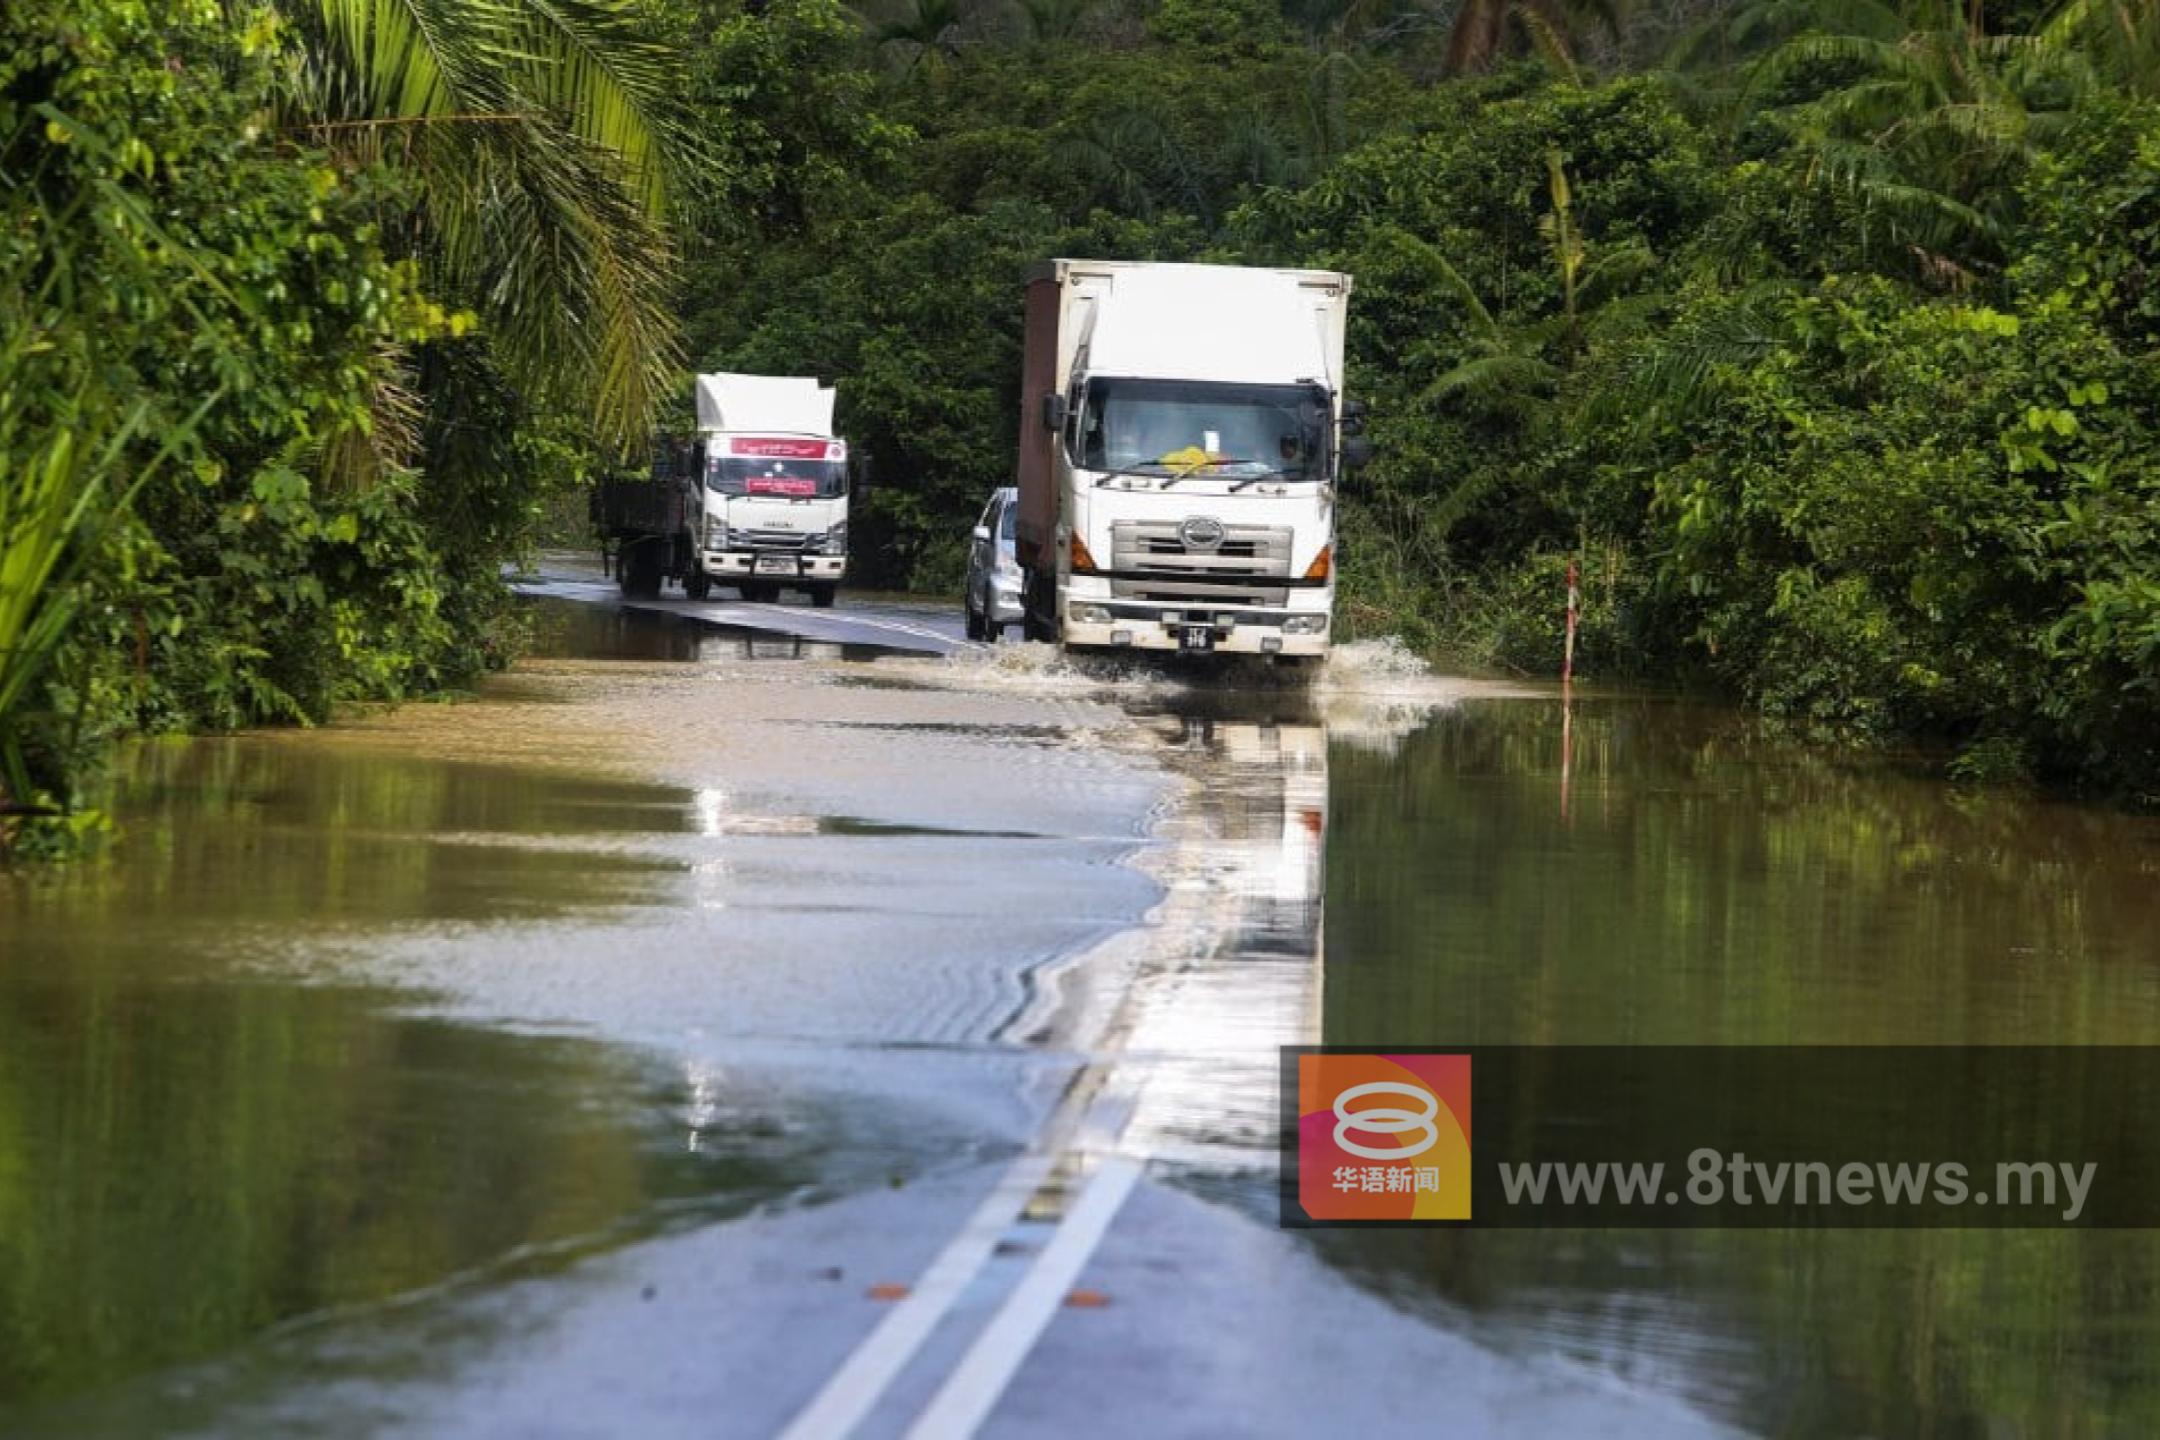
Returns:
<point x="766" y="475"/>
<point x="1176" y="427"/>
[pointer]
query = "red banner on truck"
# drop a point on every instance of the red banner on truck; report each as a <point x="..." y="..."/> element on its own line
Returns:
<point x="774" y="447"/>
<point x="779" y="485"/>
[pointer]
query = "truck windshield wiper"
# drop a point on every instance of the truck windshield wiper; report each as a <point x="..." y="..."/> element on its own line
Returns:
<point x="1248" y="483"/>
<point x="1172" y="477"/>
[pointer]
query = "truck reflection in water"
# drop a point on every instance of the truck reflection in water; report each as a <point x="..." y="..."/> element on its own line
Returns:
<point x="1245" y="873"/>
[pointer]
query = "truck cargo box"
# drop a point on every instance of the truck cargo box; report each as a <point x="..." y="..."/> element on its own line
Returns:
<point x="768" y="404"/>
<point x="627" y="508"/>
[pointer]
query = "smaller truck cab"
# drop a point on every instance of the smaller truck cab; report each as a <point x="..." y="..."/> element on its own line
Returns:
<point x="770" y="502"/>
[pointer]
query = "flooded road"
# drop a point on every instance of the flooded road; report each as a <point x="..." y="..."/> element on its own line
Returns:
<point x="715" y="1029"/>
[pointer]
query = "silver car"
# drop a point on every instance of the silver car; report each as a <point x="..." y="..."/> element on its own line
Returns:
<point x="993" y="574"/>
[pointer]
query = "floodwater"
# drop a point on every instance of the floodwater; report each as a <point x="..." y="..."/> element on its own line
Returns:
<point x="1694" y="879"/>
<point x="676" y="927"/>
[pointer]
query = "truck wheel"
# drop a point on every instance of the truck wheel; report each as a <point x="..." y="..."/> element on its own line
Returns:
<point x="1033" y="626"/>
<point x="697" y="584"/>
<point x="638" y="570"/>
<point x="822" y="596"/>
<point x="975" y="625"/>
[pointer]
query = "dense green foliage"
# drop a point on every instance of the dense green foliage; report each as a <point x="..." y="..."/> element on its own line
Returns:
<point x="1827" y="352"/>
<point x="1821" y="337"/>
<point x="257" y="462"/>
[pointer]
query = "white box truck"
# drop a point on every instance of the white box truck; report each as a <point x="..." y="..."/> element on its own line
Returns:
<point x="1181" y="440"/>
<point x="773" y="507"/>
<point x="757" y="499"/>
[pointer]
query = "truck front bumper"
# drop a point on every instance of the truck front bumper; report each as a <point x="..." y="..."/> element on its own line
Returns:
<point x="743" y="565"/>
<point x="1243" y="630"/>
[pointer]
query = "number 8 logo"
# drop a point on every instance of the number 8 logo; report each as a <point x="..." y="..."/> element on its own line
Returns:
<point x="1386" y="1120"/>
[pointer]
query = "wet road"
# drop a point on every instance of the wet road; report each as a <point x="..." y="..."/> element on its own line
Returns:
<point x="860" y="625"/>
<point x="827" y="1026"/>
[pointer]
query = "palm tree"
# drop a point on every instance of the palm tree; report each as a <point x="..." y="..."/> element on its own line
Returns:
<point x="1928" y="120"/>
<point x="1485" y="30"/>
<point x="2121" y="38"/>
<point x="929" y="28"/>
<point x="1512" y="369"/>
<point x="1049" y="21"/>
<point x="544" y="151"/>
<point x="1129" y="158"/>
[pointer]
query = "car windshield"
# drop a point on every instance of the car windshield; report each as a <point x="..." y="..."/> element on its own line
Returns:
<point x="772" y="475"/>
<point x="1171" y="427"/>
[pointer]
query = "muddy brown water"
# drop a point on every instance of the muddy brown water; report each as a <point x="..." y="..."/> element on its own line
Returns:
<point x="203" y="1139"/>
<point x="1698" y="880"/>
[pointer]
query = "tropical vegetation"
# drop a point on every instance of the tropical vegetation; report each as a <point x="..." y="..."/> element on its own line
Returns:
<point x="1819" y="335"/>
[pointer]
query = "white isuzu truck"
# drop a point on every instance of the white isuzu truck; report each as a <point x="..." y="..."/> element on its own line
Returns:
<point x="774" y="497"/>
<point x="1182" y="435"/>
<point x="757" y="499"/>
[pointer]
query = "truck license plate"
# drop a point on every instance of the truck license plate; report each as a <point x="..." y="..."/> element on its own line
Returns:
<point x="1197" y="637"/>
<point x="776" y="565"/>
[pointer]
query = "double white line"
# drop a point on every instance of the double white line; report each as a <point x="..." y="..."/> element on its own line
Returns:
<point x="972" y="1389"/>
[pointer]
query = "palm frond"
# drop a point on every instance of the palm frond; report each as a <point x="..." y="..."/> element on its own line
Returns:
<point x="1492" y="375"/>
<point x="543" y="139"/>
<point x="591" y="63"/>
<point x="1439" y="268"/>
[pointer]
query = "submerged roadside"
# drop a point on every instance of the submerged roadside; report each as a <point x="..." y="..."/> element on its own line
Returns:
<point x="627" y="1050"/>
<point x="620" y="946"/>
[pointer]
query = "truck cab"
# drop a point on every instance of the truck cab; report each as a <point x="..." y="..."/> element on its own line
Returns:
<point x="1181" y="445"/>
<point x="772" y="512"/>
<point x="768" y="488"/>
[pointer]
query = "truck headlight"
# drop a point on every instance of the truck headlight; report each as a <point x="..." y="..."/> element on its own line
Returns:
<point x="1090" y="614"/>
<point x="716" y="536"/>
<point x="1304" y="625"/>
<point x="835" y="541"/>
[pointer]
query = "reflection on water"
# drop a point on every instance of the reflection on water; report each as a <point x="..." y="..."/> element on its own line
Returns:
<point x="1690" y="879"/>
<point x="192" y="1150"/>
<point x="574" y="630"/>
<point x="1200" y="1029"/>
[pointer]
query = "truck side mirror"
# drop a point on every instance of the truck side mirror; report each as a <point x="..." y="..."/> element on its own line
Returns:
<point x="1353" y="417"/>
<point x="1053" y="412"/>
<point x="859" y="472"/>
<point x="1356" y="452"/>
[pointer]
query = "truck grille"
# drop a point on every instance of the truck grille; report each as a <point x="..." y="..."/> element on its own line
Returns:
<point x="1154" y="547"/>
<point x="773" y="539"/>
<point x="1164" y="567"/>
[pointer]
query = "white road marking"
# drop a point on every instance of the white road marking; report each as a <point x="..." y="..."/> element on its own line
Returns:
<point x="973" y="1389"/>
<point x="823" y="626"/>
<point x="859" y="1383"/>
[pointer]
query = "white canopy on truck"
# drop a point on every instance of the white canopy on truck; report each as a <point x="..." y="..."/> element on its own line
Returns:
<point x="767" y="404"/>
